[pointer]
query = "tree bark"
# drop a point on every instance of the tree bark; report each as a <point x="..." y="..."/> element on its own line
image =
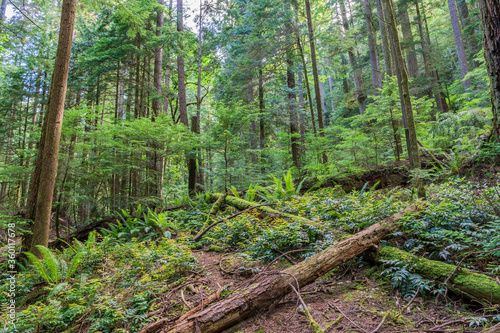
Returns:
<point x="490" y="21"/>
<point x="158" y="63"/>
<point x="3" y="8"/>
<point x="404" y="92"/>
<point x="459" y="43"/>
<point x="463" y="281"/>
<point x="268" y="289"/>
<point x="181" y="84"/>
<point x="385" y="40"/>
<point x="372" y="44"/>
<point x="358" y="81"/>
<point x="321" y="124"/>
<point x="54" y="117"/>
<point x="292" y="98"/>
<point x="407" y="43"/>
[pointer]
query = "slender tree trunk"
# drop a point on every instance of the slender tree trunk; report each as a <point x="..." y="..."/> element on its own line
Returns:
<point x="137" y="104"/>
<point x="459" y="43"/>
<point x="54" y="125"/>
<point x="407" y="43"/>
<point x="385" y="40"/>
<point x="358" y="82"/>
<point x="404" y="90"/>
<point x="262" y="129"/>
<point x="330" y="84"/>
<point x="292" y="98"/>
<point x="372" y="44"/>
<point x="302" y="109"/>
<point x="490" y="21"/>
<point x="158" y="63"/>
<point x="321" y="124"/>
<point x="308" y="87"/>
<point x="3" y="8"/>
<point x="180" y="69"/>
<point x="199" y="174"/>
<point x="468" y="29"/>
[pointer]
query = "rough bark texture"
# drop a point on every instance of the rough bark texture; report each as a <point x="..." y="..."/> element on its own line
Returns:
<point x="180" y="70"/>
<point x="459" y="43"/>
<point x="464" y="281"/>
<point x="321" y="124"/>
<point x="372" y="44"/>
<point x="404" y="90"/>
<point x="490" y="19"/>
<point x="385" y="40"/>
<point x="407" y="43"/>
<point x="158" y="63"/>
<point x="54" y="117"/>
<point x="358" y="81"/>
<point x="267" y="289"/>
<point x="292" y="100"/>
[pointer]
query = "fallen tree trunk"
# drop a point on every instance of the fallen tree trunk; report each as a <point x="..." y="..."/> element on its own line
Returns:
<point x="243" y="204"/>
<point x="270" y="287"/>
<point x="493" y="329"/>
<point x="472" y="285"/>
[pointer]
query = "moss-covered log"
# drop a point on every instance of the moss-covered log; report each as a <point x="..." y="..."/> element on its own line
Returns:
<point x="268" y="289"/>
<point x="244" y="204"/>
<point x="464" y="281"/>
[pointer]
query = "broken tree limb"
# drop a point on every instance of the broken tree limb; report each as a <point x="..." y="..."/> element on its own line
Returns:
<point x="243" y="204"/>
<point x="270" y="287"/>
<point x="463" y="281"/>
<point x="201" y="233"/>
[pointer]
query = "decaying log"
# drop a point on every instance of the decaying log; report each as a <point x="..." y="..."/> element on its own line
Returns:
<point x="470" y="284"/>
<point x="244" y="204"/>
<point x="269" y="287"/>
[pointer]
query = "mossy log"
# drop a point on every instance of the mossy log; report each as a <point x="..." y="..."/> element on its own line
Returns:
<point x="268" y="288"/>
<point x="266" y="210"/>
<point x="472" y="285"/>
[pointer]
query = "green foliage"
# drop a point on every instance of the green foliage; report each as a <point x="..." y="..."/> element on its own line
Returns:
<point x="402" y="278"/>
<point x="53" y="268"/>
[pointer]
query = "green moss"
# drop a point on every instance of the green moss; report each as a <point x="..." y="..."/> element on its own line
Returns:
<point x="477" y="285"/>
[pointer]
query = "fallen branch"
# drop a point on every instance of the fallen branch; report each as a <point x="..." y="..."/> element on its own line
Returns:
<point x="470" y="284"/>
<point x="267" y="289"/>
<point x="201" y="233"/>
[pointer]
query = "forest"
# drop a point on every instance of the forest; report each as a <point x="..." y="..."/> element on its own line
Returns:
<point x="250" y="166"/>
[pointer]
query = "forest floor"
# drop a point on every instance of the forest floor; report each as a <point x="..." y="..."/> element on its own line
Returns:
<point x="344" y="300"/>
<point x="147" y="267"/>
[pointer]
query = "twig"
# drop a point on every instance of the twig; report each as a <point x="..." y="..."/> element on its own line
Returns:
<point x="316" y="326"/>
<point x="13" y="4"/>
<point x="380" y="325"/>
<point x="461" y="261"/>
<point x="286" y="257"/>
<point x="201" y="233"/>
<point x="409" y="303"/>
<point x="339" y="310"/>
<point x="209" y="300"/>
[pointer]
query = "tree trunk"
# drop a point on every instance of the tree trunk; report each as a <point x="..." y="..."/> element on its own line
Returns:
<point x="468" y="29"/>
<point x="54" y="117"/>
<point x="302" y="109"/>
<point x="463" y="281"/>
<point x="430" y="73"/>
<point x="407" y="43"/>
<point x="3" y="8"/>
<point x="321" y="124"/>
<point x="180" y="69"/>
<point x="490" y="20"/>
<point x="268" y="289"/>
<point x="459" y="43"/>
<point x="158" y="64"/>
<point x="404" y="92"/>
<point x="308" y="87"/>
<point x="358" y="81"/>
<point x="372" y="44"/>
<point x="292" y="98"/>
<point x="385" y="40"/>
